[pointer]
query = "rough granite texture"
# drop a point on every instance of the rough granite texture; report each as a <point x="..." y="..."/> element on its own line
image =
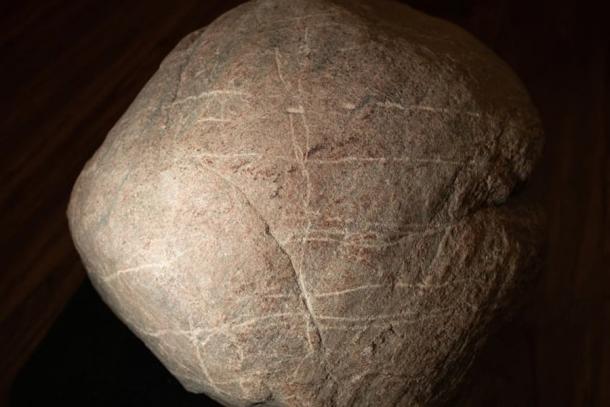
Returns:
<point x="308" y="205"/>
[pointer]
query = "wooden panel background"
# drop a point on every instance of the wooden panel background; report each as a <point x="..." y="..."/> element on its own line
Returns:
<point x="70" y="68"/>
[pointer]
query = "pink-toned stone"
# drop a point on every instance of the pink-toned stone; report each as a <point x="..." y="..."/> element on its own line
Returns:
<point x="310" y="204"/>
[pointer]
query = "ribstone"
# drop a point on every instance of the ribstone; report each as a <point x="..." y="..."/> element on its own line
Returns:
<point x="311" y="204"/>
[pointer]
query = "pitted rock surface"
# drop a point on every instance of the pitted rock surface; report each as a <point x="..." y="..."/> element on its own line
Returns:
<point x="309" y="205"/>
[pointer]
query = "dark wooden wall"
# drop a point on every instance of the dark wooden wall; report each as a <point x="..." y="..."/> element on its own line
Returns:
<point x="70" y="68"/>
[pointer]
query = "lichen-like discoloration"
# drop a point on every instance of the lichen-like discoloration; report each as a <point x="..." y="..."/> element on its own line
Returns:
<point x="308" y="205"/>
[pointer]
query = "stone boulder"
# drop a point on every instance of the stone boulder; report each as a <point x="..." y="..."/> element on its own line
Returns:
<point x="309" y="204"/>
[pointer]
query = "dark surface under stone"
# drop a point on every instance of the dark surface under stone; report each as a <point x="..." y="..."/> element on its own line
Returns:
<point x="89" y="358"/>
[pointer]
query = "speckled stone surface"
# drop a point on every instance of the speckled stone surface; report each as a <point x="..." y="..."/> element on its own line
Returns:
<point x="310" y="204"/>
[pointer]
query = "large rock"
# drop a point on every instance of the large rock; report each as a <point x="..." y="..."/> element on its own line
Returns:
<point x="307" y="205"/>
